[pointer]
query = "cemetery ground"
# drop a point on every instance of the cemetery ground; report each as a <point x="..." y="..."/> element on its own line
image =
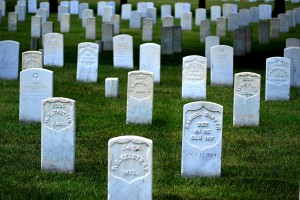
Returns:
<point x="257" y="162"/>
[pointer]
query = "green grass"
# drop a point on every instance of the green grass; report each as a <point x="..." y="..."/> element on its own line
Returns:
<point x="257" y="162"/>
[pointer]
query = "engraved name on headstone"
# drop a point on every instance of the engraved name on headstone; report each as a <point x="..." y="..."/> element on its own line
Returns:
<point x="58" y="135"/>
<point x="130" y="168"/>
<point x="202" y="139"/>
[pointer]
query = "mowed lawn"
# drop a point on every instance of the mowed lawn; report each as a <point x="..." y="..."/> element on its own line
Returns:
<point x="257" y="162"/>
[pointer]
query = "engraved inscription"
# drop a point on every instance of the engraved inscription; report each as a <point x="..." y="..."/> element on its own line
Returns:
<point x="140" y="85"/>
<point x="129" y="161"/>
<point x="32" y="60"/>
<point x="194" y="70"/>
<point x="87" y="55"/>
<point x="278" y="71"/>
<point x="247" y="85"/>
<point x="202" y="128"/>
<point x="58" y="115"/>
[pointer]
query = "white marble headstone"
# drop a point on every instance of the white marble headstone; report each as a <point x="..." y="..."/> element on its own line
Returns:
<point x="139" y="97"/>
<point x="194" y="77"/>
<point x="130" y="168"/>
<point x="246" y="104"/>
<point x="277" y="78"/>
<point x="186" y="20"/>
<point x="58" y="135"/>
<point x="32" y="6"/>
<point x="32" y="59"/>
<point x="9" y="59"/>
<point x="123" y="51"/>
<point x="293" y="53"/>
<point x="74" y="7"/>
<point x="210" y="41"/>
<point x="36" y="26"/>
<point x="35" y="85"/>
<point x="200" y="15"/>
<point x="87" y="62"/>
<point x="166" y="10"/>
<point x="125" y="12"/>
<point x="100" y="7"/>
<point x="135" y="20"/>
<point x="112" y="87"/>
<point x="221" y="65"/>
<point x="202" y="139"/>
<point x="65" y="23"/>
<point x="150" y="59"/>
<point x="215" y="13"/>
<point x="90" y="29"/>
<point x="54" y="49"/>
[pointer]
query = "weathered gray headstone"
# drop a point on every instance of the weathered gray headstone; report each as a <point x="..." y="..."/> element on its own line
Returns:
<point x="130" y="168"/>
<point x="65" y="23"/>
<point x="221" y="65"/>
<point x="116" y="23"/>
<point x="293" y="53"/>
<point x="32" y="59"/>
<point x="194" y="77"/>
<point x="292" y="42"/>
<point x="87" y="62"/>
<point x="12" y="22"/>
<point x="107" y="36"/>
<point x="221" y="27"/>
<point x="202" y="139"/>
<point x="204" y="30"/>
<point x="167" y="40"/>
<point x="283" y="23"/>
<point x="233" y="21"/>
<point x="90" y="29"/>
<point x="35" y="85"/>
<point x="244" y="17"/>
<point x="9" y="62"/>
<point x="150" y="59"/>
<point x="246" y="104"/>
<point x="112" y="87"/>
<point x="139" y="97"/>
<point x="47" y="27"/>
<point x="239" y="42"/>
<point x="54" y="49"/>
<point x="274" y="28"/>
<point x="277" y="78"/>
<point x="123" y="51"/>
<point x="58" y="135"/>
<point x="210" y="41"/>
<point x="147" y="29"/>
<point x="177" y="39"/>
<point x="291" y="16"/>
<point x="264" y="32"/>
<point x="167" y="21"/>
<point x="34" y="43"/>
